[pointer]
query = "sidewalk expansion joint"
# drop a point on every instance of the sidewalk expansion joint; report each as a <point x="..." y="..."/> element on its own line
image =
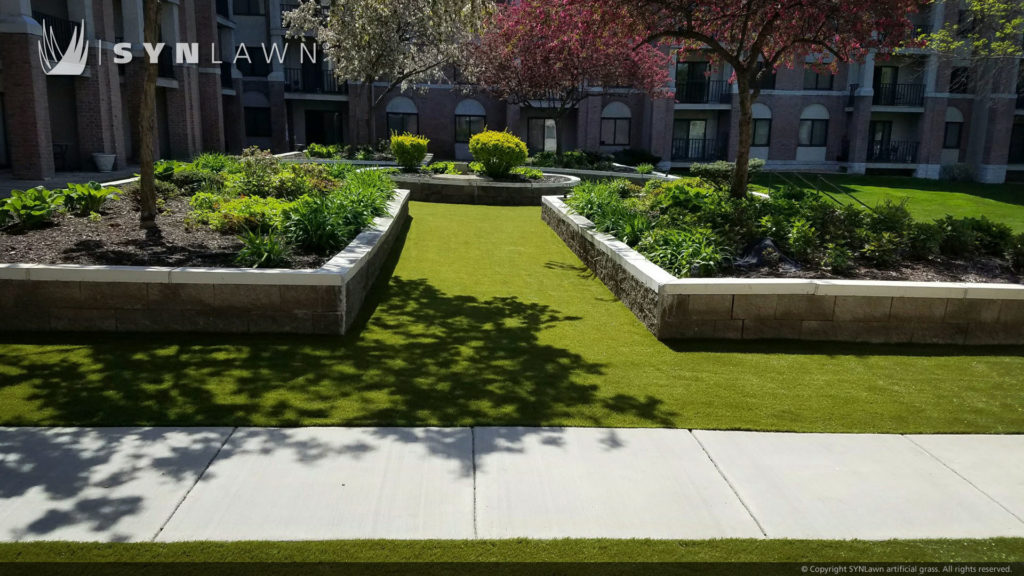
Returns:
<point x="472" y="436"/>
<point x="731" y="487"/>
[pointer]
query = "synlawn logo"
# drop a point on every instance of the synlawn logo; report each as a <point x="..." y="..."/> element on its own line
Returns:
<point x="67" y="62"/>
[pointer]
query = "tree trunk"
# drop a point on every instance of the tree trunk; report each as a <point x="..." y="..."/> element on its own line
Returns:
<point x="147" y="121"/>
<point x="741" y="174"/>
<point x="370" y="124"/>
<point x="559" y="148"/>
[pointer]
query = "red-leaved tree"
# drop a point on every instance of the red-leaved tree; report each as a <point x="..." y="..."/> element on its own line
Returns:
<point x="555" y="54"/>
<point x="756" y="37"/>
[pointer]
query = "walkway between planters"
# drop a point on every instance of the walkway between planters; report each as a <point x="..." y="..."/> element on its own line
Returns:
<point x="162" y="484"/>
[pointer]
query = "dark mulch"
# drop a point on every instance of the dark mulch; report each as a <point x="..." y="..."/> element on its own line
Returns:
<point x="936" y="270"/>
<point x="117" y="240"/>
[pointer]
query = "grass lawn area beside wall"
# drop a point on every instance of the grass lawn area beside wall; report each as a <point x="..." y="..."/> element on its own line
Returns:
<point x="928" y="200"/>
<point x="488" y="320"/>
<point x="995" y="550"/>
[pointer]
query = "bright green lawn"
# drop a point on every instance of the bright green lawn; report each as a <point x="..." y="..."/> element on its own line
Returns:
<point x="1005" y="550"/>
<point x="930" y="199"/>
<point x="490" y="320"/>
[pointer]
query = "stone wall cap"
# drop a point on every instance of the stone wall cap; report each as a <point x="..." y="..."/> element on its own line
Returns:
<point x="739" y="286"/>
<point x="15" y="271"/>
<point x="99" y="273"/>
<point x="255" y="276"/>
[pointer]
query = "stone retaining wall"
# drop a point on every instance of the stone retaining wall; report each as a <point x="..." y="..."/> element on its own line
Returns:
<point x="455" y="189"/>
<point x="229" y="300"/>
<point x="820" y="310"/>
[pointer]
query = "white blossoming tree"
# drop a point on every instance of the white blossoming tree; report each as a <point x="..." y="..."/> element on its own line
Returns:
<point x="397" y="42"/>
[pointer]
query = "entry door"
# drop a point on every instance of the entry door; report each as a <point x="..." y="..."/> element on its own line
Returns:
<point x="691" y="138"/>
<point x="316" y="128"/>
<point x="886" y="79"/>
<point x="542" y="135"/>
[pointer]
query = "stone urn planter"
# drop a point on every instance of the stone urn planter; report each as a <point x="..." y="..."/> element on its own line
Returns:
<point x="104" y="162"/>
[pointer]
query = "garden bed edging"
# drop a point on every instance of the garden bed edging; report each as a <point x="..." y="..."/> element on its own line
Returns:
<point x="792" y="309"/>
<point x="470" y="189"/>
<point x="327" y="300"/>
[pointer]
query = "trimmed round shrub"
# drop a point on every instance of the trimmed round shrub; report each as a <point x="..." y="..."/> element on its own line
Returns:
<point x="498" y="152"/>
<point x="409" y="150"/>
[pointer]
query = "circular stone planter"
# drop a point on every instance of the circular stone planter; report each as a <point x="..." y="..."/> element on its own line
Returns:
<point x="472" y="189"/>
<point x="104" y="162"/>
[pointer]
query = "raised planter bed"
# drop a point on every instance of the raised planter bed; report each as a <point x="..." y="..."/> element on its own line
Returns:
<point x="795" y="309"/>
<point x="226" y="300"/>
<point x="590" y="175"/>
<point x="472" y="189"/>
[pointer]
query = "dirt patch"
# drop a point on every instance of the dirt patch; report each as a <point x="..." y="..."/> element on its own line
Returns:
<point x="117" y="240"/>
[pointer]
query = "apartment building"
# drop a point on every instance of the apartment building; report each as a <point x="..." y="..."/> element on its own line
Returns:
<point x="909" y="114"/>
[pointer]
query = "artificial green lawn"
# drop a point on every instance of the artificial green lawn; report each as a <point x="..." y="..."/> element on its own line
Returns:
<point x="928" y="200"/>
<point x="489" y="319"/>
<point x="995" y="550"/>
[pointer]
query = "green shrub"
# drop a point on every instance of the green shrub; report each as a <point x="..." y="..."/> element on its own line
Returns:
<point x="84" y="199"/>
<point x="498" y="152"/>
<point x="247" y="213"/>
<point x="215" y="162"/>
<point x="164" y="191"/>
<point x="295" y="180"/>
<point x="190" y="180"/>
<point x="686" y="253"/>
<point x="644" y="169"/>
<point x="719" y="174"/>
<point x="262" y="250"/>
<point x="527" y="173"/>
<point x="33" y="208"/>
<point x="803" y="241"/>
<point x="317" y="224"/>
<point x="889" y="216"/>
<point x="257" y="171"/>
<point x="924" y="240"/>
<point x="884" y="249"/>
<point x="321" y="151"/>
<point x="545" y="160"/>
<point x="1016" y="253"/>
<point x="164" y="169"/>
<point x="958" y="237"/>
<point x="838" y="259"/>
<point x="635" y="157"/>
<point x="442" y="168"/>
<point x="409" y="150"/>
<point x="992" y="238"/>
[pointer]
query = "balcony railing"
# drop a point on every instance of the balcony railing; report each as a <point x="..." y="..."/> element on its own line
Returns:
<point x="695" y="150"/>
<point x="223" y="8"/>
<point x="62" y="28"/>
<point x="893" y="152"/>
<point x="226" y="81"/>
<point x="712" y="91"/>
<point x="257" y="68"/>
<point x="899" y="95"/>
<point x="313" y="81"/>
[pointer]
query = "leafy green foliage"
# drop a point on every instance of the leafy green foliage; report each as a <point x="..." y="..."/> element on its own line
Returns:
<point x="635" y="157"/>
<point x="644" y="169"/>
<point x="527" y="173"/>
<point x="884" y="249"/>
<point x="686" y="253"/>
<point x="262" y="250"/>
<point x="924" y="240"/>
<point x="1015" y="254"/>
<point x="573" y="160"/>
<point x="84" y="199"/>
<point x="719" y="174"/>
<point x="442" y="168"/>
<point x="409" y="150"/>
<point x="256" y="177"/>
<point x="33" y="208"/>
<point x="251" y="213"/>
<point x="803" y="241"/>
<point x="498" y="152"/>
<point x="323" y="151"/>
<point x="838" y="258"/>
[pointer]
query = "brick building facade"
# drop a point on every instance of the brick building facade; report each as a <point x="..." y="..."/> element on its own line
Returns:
<point x="911" y="114"/>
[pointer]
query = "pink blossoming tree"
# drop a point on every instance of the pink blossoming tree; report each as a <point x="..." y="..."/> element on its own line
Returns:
<point x="756" y="37"/>
<point x="553" y="54"/>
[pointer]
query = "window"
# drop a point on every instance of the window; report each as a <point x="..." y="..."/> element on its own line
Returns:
<point x="813" y="133"/>
<point x="960" y="80"/>
<point x="767" y="82"/>
<point x="542" y="135"/>
<point x="615" y="124"/>
<point x="250" y="7"/>
<point x="468" y="126"/>
<point x="817" y="81"/>
<point x="762" y="132"/>
<point x="951" y="139"/>
<point x="692" y="82"/>
<point x="403" y="122"/>
<point x="257" y="122"/>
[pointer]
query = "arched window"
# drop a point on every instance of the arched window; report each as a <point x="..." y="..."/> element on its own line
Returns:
<point x="616" y="120"/>
<point x="814" y="126"/>
<point x="953" y="136"/>
<point x="762" y="125"/>
<point x="403" y="116"/>
<point x="470" y="119"/>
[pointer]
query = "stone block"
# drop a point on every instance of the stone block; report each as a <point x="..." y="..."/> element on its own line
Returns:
<point x="24" y="320"/>
<point x="247" y="296"/>
<point x="181" y="297"/>
<point x="754" y="306"/>
<point x="972" y="310"/>
<point x="46" y="295"/>
<point x="674" y="309"/>
<point x="330" y="323"/>
<point x="994" y="334"/>
<point x="862" y="309"/>
<point x="818" y="330"/>
<point x="771" y="329"/>
<point x="285" y="322"/>
<point x="873" y="332"/>
<point x="311" y="298"/>
<point x="805" y="307"/>
<point x="939" y="333"/>
<point x="710" y="306"/>
<point x="918" y="309"/>
<point x="120" y="295"/>
<point x="702" y="329"/>
<point x="1010" y="312"/>
<point x="83" y="320"/>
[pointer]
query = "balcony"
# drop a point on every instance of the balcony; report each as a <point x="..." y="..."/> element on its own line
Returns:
<point x="165" y="64"/>
<point x="312" y="81"/>
<point x="61" y="28"/>
<point x="255" y="69"/>
<point x="710" y="92"/>
<point x="226" y="82"/>
<point x="695" y="150"/>
<point x="899" y="95"/>
<point x="223" y="8"/>
<point x="893" y="152"/>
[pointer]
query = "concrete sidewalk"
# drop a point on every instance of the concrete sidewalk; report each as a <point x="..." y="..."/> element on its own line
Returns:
<point x="461" y="483"/>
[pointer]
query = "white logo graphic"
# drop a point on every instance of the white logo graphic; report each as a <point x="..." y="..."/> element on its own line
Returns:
<point x="69" y="62"/>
